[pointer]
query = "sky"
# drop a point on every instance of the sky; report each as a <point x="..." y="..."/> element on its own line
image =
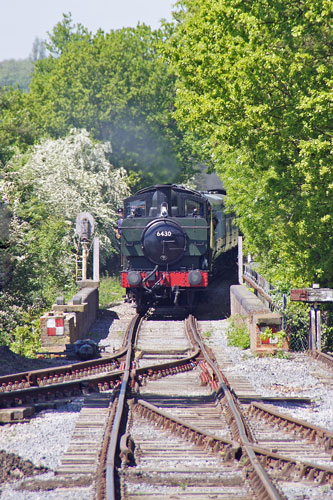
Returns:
<point x="21" y="21"/>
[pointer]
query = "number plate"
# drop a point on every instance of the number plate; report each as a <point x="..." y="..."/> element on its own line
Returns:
<point x="164" y="234"/>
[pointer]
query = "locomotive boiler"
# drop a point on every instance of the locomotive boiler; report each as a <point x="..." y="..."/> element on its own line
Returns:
<point x="170" y="238"/>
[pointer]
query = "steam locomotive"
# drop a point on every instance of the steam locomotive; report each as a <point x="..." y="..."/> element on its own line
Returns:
<point x="171" y="237"/>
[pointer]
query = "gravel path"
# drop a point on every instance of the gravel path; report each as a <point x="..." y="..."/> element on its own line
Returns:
<point x="45" y="438"/>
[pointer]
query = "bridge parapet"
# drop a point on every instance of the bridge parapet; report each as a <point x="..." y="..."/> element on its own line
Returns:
<point x="67" y="323"/>
<point x="258" y="318"/>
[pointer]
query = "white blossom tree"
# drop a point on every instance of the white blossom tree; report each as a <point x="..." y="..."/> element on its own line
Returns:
<point x="46" y="189"/>
<point x="72" y="175"/>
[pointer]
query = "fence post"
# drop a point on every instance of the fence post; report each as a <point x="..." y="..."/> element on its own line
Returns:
<point x="312" y="331"/>
<point x="96" y="259"/>
<point x="240" y="260"/>
<point x="318" y="328"/>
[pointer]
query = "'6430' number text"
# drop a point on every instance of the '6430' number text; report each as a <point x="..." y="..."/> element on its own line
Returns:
<point x="164" y="233"/>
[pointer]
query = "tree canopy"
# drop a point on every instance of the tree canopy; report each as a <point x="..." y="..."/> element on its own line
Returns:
<point x="254" y="97"/>
<point x="18" y="130"/>
<point x="117" y="86"/>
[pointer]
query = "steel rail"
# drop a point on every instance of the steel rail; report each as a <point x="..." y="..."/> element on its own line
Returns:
<point x="85" y="384"/>
<point x="31" y="377"/>
<point x="213" y="442"/>
<point x="323" y="357"/>
<point x="68" y="388"/>
<point x="306" y="429"/>
<point x="271" y="492"/>
<point x="114" y="438"/>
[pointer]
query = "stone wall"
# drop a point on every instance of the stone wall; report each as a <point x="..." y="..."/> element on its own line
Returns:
<point x="69" y="322"/>
<point x="250" y="310"/>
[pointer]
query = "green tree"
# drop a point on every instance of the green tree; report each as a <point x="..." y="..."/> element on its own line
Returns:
<point x="254" y="96"/>
<point x="17" y="129"/>
<point x="117" y="86"/>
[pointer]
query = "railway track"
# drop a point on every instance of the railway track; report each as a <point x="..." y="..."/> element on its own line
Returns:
<point x="63" y="382"/>
<point x="173" y="425"/>
<point x="168" y="462"/>
<point x="198" y="411"/>
<point x="327" y="359"/>
<point x="214" y="416"/>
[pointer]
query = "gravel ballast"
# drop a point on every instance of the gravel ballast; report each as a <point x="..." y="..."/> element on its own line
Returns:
<point x="298" y="375"/>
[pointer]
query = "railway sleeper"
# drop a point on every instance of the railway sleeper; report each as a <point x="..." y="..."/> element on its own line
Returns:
<point x="283" y="467"/>
<point x="227" y="450"/>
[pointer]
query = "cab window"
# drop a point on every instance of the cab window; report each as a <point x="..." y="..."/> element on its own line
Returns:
<point x="136" y="208"/>
<point x="193" y="207"/>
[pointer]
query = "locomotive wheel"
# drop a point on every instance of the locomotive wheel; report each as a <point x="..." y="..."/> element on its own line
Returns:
<point x="189" y="300"/>
<point x="141" y="303"/>
<point x="140" y="309"/>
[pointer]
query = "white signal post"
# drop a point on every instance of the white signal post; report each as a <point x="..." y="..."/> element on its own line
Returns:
<point x="85" y="226"/>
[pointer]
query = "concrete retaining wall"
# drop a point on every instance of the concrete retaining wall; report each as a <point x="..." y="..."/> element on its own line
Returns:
<point x="249" y="310"/>
<point x="69" y="322"/>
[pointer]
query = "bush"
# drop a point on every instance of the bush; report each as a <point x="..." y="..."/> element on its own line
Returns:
<point x="27" y="339"/>
<point x="110" y="291"/>
<point x="238" y="334"/>
<point x="11" y="315"/>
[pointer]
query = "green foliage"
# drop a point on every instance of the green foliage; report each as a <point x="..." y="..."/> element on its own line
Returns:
<point x="327" y="328"/>
<point x="16" y="73"/>
<point x="65" y="33"/>
<point x="237" y="333"/>
<point x="297" y="325"/>
<point x="117" y="86"/>
<point x="110" y="291"/>
<point x="48" y="263"/>
<point x="45" y="189"/>
<point x="11" y="314"/>
<point x="17" y="131"/>
<point x="27" y="338"/>
<point x="279" y="337"/>
<point x="281" y="354"/>
<point x="19" y="323"/>
<point x="254" y="98"/>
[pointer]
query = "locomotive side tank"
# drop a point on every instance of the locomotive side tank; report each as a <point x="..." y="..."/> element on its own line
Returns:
<point x="170" y="239"/>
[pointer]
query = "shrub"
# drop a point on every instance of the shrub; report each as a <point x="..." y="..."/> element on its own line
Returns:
<point x="110" y="291"/>
<point x="238" y="334"/>
<point x="27" y="339"/>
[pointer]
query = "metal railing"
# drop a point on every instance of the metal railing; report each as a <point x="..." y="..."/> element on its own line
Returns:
<point x="261" y="286"/>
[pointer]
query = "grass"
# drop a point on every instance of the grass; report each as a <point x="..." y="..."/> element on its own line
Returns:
<point x="110" y="291"/>
<point x="207" y="334"/>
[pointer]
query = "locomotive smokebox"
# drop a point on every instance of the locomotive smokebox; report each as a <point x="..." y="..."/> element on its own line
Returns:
<point x="163" y="242"/>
